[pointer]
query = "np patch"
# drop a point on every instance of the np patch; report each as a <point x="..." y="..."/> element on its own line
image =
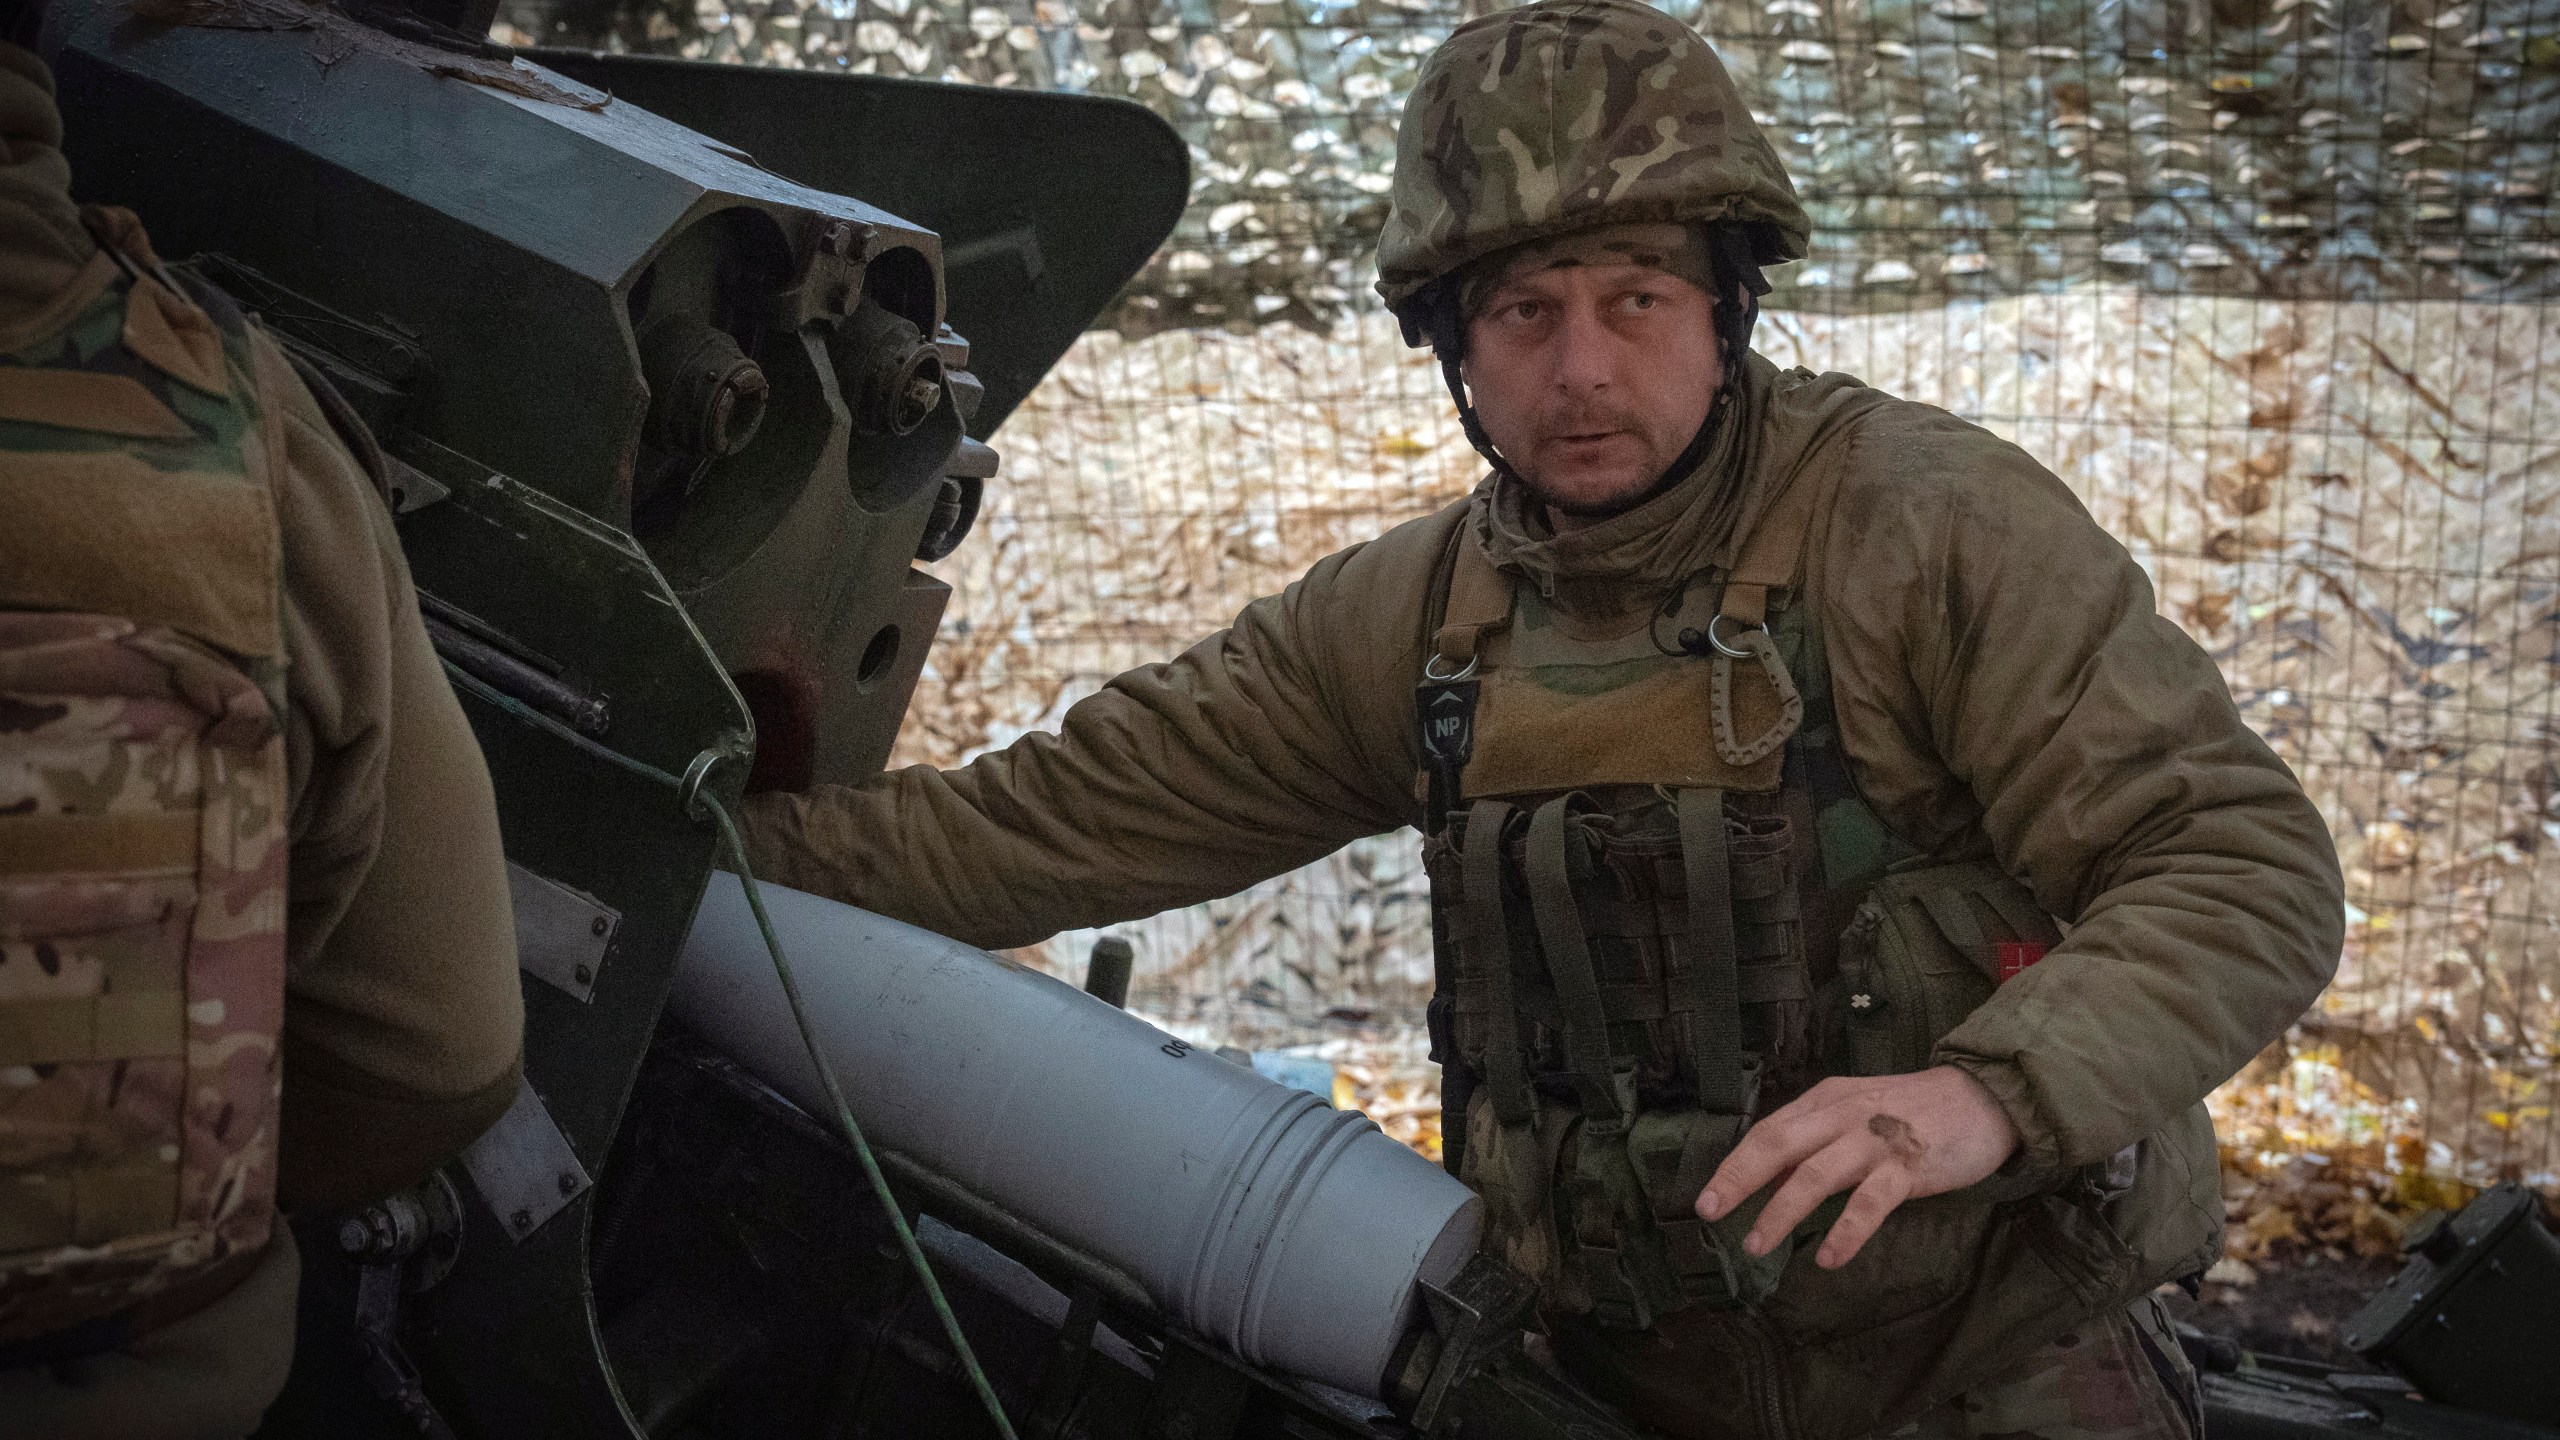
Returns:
<point x="1446" y="711"/>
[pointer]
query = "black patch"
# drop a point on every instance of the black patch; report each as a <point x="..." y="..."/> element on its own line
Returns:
<point x="49" y="958"/>
<point x="222" y="1122"/>
<point x="1444" y="713"/>
<point x="1446" y="710"/>
<point x="23" y="807"/>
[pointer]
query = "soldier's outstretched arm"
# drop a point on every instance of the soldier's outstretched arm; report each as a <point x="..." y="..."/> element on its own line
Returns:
<point x="2002" y="674"/>
<point x="1265" y="746"/>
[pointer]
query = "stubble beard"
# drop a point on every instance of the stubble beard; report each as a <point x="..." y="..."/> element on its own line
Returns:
<point x="1617" y="498"/>
<point x="1602" y="507"/>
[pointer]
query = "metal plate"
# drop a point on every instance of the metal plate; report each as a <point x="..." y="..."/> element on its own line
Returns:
<point x="524" y="1167"/>
<point x="561" y="934"/>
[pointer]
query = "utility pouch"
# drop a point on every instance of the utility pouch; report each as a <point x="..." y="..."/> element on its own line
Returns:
<point x="1677" y="1152"/>
<point x="1927" y="946"/>
<point x="142" y="905"/>
<point x="144" y="806"/>
<point x="1610" y="946"/>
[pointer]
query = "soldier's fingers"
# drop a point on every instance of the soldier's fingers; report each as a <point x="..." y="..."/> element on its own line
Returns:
<point x="1885" y="1187"/>
<point x="1837" y="1166"/>
<point x="1768" y="1150"/>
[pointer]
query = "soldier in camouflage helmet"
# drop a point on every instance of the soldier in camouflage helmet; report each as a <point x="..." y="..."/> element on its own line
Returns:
<point x="1557" y="118"/>
<point x="1846" y="885"/>
<point x="1554" y="132"/>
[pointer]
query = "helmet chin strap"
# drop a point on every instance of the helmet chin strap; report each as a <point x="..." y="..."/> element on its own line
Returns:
<point x="1739" y="278"/>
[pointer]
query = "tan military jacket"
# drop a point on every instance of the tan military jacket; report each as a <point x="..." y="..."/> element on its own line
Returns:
<point x="403" y="1019"/>
<point x="2004" y="686"/>
<point x="2002" y="676"/>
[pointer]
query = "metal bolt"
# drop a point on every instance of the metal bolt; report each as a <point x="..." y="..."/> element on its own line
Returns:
<point x="568" y="1184"/>
<point x="354" y="1236"/>
<point x="923" y="393"/>
<point x="706" y="395"/>
<point x="836" y="238"/>
<point x="585" y="975"/>
<point x="521" y="1220"/>
<point x="599" y="925"/>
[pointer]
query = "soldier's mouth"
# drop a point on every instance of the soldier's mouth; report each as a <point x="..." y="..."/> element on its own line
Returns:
<point x="1599" y="447"/>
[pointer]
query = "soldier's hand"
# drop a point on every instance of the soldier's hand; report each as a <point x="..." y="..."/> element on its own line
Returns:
<point x="1891" y="1138"/>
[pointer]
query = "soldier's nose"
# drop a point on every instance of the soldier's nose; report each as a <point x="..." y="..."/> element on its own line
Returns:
<point x="1584" y="361"/>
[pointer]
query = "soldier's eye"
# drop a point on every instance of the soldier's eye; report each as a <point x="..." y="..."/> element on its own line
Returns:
<point x="1643" y="300"/>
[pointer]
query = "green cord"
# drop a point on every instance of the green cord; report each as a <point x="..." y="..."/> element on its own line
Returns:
<point x="737" y="851"/>
<point x="844" y="1117"/>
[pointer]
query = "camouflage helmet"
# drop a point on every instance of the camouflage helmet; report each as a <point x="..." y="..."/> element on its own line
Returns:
<point x="1567" y="114"/>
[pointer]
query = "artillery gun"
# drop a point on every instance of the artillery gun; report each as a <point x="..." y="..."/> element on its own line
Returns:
<point x="667" y="417"/>
<point x="665" y="434"/>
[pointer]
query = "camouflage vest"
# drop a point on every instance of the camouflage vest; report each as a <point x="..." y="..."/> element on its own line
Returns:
<point x="1658" y="913"/>
<point x="143" y="808"/>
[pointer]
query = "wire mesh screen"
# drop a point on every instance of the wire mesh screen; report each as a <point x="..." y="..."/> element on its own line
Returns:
<point x="2270" y="283"/>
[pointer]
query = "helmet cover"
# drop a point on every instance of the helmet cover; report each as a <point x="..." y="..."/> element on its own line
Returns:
<point x="1565" y="115"/>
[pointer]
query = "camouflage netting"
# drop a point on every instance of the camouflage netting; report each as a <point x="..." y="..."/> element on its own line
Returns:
<point x="2350" y="504"/>
<point x="2275" y="287"/>
<point x="2303" y="148"/>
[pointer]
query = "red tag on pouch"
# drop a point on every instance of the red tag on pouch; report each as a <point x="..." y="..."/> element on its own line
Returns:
<point x="2016" y="955"/>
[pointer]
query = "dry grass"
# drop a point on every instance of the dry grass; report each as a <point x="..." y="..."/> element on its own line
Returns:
<point x="2349" y="505"/>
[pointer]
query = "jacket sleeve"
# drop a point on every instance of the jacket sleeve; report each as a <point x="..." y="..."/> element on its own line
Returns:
<point x="2004" y="676"/>
<point x="404" y="1018"/>
<point x="1263" y="747"/>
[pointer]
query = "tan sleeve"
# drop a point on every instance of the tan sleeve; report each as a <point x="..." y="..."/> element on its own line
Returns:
<point x="2002" y="675"/>
<point x="1265" y="746"/>
<point x="404" y="1023"/>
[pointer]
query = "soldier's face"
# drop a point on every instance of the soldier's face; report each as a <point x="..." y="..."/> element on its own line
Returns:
<point x="1591" y="379"/>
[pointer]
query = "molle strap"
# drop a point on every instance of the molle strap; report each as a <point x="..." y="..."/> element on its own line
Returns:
<point x="1954" y="916"/>
<point x="1568" y="952"/>
<point x="2020" y="914"/>
<point x="1715" y="1004"/>
<point x="1772" y="983"/>
<point x="1479" y="600"/>
<point x="1488" y="944"/>
<point x="1771" y="555"/>
<point x="1730" y="746"/>
<point x="1711" y="1138"/>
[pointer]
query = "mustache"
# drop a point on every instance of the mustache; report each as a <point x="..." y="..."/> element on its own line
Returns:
<point x="1583" y="419"/>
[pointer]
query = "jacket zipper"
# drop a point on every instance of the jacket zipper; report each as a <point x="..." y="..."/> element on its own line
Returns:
<point x="1767" y="1380"/>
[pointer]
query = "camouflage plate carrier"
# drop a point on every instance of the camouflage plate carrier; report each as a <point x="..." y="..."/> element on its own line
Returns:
<point x="142" y="807"/>
<point x="1661" y="909"/>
